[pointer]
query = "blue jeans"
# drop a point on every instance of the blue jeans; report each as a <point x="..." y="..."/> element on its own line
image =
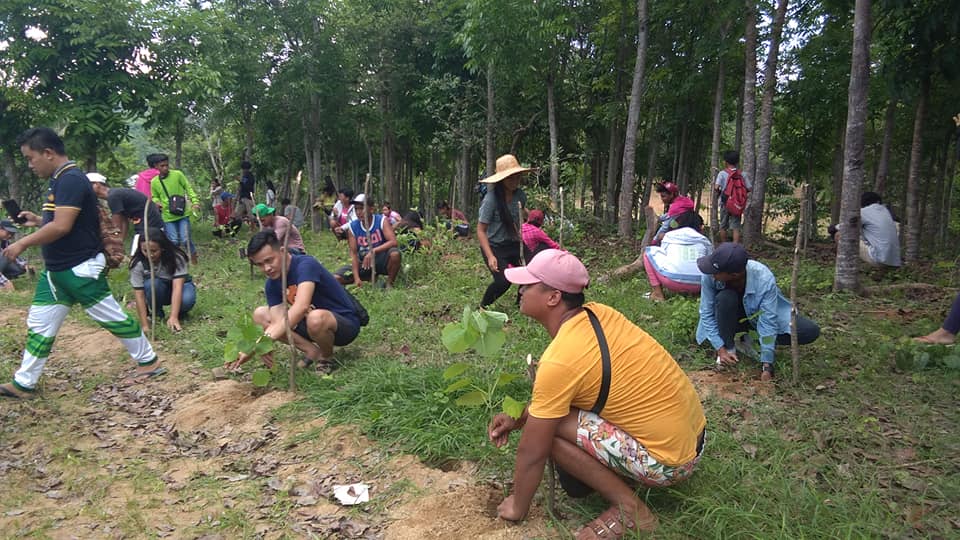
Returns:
<point x="164" y="289"/>
<point x="179" y="233"/>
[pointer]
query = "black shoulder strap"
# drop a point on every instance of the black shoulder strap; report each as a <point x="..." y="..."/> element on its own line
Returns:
<point x="605" y="358"/>
<point x="165" y="192"/>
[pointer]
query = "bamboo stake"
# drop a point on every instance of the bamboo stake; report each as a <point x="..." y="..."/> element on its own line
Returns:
<point x="367" y="228"/>
<point x="794" y="341"/>
<point x="561" y="218"/>
<point x="153" y="289"/>
<point x="283" y="290"/>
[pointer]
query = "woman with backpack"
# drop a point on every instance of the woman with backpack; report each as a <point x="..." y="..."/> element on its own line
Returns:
<point x="501" y="215"/>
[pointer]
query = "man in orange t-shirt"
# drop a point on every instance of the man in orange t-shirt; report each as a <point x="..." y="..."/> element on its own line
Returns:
<point x="649" y="426"/>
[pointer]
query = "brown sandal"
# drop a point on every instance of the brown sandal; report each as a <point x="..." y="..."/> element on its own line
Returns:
<point x="609" y="525"/>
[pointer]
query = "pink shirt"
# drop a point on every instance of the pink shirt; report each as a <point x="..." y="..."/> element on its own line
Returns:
<point x="283" y="227"/>
<point x="143" y="181"/>
<point x="533" y="235"/>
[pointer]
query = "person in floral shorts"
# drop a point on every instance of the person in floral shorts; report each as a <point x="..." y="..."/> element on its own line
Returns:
<point x="638" y="421"/>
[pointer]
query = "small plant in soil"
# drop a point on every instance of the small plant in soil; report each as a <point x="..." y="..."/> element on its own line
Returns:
<point x="247" y="337"/>
<point x="482" y="331"/>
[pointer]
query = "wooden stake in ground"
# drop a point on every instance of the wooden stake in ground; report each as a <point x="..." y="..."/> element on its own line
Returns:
<point x="560" y="242"/>
<point x="794" y="342"/>
<point x="153" y="290"/>
<point x="283" y="287"/>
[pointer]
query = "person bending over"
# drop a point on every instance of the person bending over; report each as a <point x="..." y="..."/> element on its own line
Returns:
<point x="607" y="416"/>
<point x="673" y="264"/>
<point x="738" y="295"/>
<point x="170" y="281"/>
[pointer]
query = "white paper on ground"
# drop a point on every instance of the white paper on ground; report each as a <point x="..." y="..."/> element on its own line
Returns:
<point x="352" y="494"/>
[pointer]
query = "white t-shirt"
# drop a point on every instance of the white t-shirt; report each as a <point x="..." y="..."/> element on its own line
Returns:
<point x="879" y="232"/>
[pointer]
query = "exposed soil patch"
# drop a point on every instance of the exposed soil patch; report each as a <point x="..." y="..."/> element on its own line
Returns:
<point x="730" y="385"/>
<point x="178" y="457"/>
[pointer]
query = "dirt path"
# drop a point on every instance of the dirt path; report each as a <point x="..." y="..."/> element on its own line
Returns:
<point x="187" y="457"/>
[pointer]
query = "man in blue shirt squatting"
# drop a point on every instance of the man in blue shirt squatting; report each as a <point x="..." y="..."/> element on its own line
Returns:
<point x="75" y="273"/>
<point x="738" y="295"/>
<point x="321" y="313"/>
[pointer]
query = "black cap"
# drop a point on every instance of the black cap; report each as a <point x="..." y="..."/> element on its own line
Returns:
<point x="9" y="226"/>
<point x="728" y="257"/>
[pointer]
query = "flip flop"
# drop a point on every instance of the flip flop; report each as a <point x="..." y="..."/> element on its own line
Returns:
<point x="138" y="378"/>
<point x="10" y="394"/>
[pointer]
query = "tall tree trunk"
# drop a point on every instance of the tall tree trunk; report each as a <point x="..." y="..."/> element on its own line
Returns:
<point x="847" y="276"/>
<point x="613" y="160"/>
<point x="883" y="165"/>
<point x="837" y="184"/>
<point x="491" y="156"/>
<point x="680" y="176"/>
<point x="12" y="173"/>
<point x="554" y="143"/>
<point x="738" y="135"/>
<point x="248" y="132"/>
<point x="753" y="226"/>
<point x="912" y="237"/>
<point x="178" y="135"/>
<point x="625" y="225"/>
<point x="596" y="185"/>
<point x="715" y="147"/>
<point x="748" y="160"/>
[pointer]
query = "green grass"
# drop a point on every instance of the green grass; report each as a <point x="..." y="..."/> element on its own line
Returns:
<point x="871" y="453"/>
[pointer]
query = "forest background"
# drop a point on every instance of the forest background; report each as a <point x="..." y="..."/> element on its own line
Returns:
<point x="605" y="96"/>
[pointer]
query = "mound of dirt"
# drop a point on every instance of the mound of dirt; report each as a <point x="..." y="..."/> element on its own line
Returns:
<point x="228" y="405"/>
<point x="463" y="512"/>
<point x="727" y="385"/>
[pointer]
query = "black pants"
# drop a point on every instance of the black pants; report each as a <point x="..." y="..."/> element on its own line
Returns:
<point x="507" y="255"/>
<point x="731" y="319"/>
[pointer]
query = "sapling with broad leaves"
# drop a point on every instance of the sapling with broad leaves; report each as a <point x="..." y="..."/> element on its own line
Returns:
<point x="482" y="331"/>
<point x="249" y="339"/>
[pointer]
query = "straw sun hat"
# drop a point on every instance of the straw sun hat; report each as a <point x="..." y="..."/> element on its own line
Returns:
<point x="507" y="165"/>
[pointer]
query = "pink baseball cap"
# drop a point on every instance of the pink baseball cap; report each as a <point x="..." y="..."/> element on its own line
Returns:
<point x="555" y="268"/>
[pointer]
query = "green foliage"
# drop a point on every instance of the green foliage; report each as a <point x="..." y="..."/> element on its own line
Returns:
<point x="481" y="330"/>
<point x="912" y="356"/>
<point x="246" y="337"/>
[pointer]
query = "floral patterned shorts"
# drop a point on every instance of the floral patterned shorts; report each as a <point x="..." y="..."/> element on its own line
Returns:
<point x="621" y="453"/>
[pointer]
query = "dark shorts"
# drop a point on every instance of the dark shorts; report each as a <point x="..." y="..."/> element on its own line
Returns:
<point x="380" y="262"/>
<point x="347" y="330"/>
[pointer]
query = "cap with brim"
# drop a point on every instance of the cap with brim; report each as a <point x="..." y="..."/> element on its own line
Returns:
<point x="729" y="257"/>
<point x="507" y="165"/>
<point x="360" y="198"/>
<point x="226" y="195"/>
<point x="8" y="226"/>
<point x="263" y="210"/>
<point x="552" y="267"/>
<point x="96" y="178"/>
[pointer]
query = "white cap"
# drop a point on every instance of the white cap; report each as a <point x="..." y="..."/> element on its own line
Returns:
<point x="96" y="178"/>
<point x="359" y="198"/>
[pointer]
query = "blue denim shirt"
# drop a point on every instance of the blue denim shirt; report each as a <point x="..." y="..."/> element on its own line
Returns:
<point x="761" y="295"/>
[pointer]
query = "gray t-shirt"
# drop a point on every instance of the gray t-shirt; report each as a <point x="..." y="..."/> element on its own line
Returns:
<point x="496" y="232"/>
<point x="141" y="272"/>
<point x="879" y="232"/>
<point x="129" y="204"/>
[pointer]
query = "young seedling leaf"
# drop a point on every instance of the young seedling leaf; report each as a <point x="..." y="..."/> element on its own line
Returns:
<point x="495" y="319"/>
<point x="455" y="370"/>
<point x="490" y="343"/>
<point x="230" y="351"/>
<point x="513" y="407"/>
<point x="265" y="346"/>
<point x="480" y="321"/>
<point x="457" y="385"/>
<point x="471" y="399"/>
<point x="455" y="338"/>
<point x="251" y="331"/>
<point x="246" y="345"/>
<point x="952" y="361"/>
<point x="506" y="378"/>
<point x="261" y="378"/>
<point x="466" y="317"/>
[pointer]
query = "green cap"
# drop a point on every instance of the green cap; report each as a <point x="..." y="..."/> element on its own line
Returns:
<point x="261" y="210"/>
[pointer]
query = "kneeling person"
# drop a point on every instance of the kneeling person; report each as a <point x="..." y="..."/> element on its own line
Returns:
<point x="603" y="414"/>
<point x="321" y="312"/>
<point x="372" y="242"/>
<point x="737" y="295"/>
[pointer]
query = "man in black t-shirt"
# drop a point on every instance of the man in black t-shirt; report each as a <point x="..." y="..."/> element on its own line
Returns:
<point x="69" y="235"/>
<point x="244" y="209"/>
<point x="321" y="312"/>
<point x="126" y="205"/>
